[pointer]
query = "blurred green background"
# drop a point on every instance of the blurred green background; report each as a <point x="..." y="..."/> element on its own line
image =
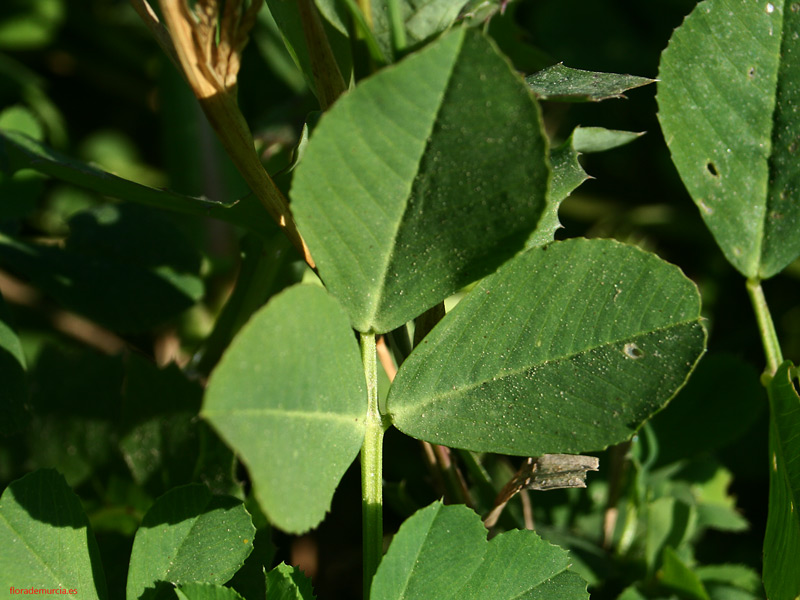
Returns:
<point x="109" y="407"/>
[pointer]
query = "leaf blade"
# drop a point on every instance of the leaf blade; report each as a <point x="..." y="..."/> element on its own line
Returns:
<point x="782" y="538"/>
<point x="560" y="384"/>
<point x="45" y="537"/>
<point x="731" y="129"/>
<point x="189" y="536"/>
<point x="565" y="84"/>
<point x="406" y="206"/>
<point x="18" y="151"/>
<point x="305" y="383"/>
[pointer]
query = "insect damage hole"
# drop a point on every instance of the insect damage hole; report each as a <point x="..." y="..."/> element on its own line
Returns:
<point x="712" y="168"/>
<point x="633" y="351"/>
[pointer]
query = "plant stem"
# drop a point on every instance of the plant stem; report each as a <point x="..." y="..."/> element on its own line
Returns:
<point x="371" y="467"/>
<point x="262" y="265"/>
<point x="766" y="327"/>
<point x="397" y="26"/>
<point x="327" y="77"/>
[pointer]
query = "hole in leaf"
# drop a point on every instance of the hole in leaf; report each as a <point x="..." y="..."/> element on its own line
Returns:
<point x="631" y="350"/>
<point x="752" y="72"/>
<point x="712" y="169"/>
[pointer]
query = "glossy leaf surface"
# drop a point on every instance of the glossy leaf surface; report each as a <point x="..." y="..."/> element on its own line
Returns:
<point x="46" y="540"/>
<point x="187" y="536"/>
<point x="782" y="539"/>
<point x="423" y="179"/>
<point x="289" y="396"/>
<point x="441" y="552"/>
<point x="728" y="97"/>
<point x="566" y="349"/>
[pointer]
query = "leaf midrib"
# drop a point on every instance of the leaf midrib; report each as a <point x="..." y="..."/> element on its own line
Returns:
<point x="516" y="372"/>
<point x="377" y="298"/>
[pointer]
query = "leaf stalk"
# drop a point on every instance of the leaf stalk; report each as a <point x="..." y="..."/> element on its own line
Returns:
<point x="371" y="466"/>
<point x="769" y="338"/>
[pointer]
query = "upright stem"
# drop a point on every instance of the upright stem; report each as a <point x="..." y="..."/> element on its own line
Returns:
<point x="371" y="467"/>
<point x="327" y="78"/>
<point x="766" y="327"/>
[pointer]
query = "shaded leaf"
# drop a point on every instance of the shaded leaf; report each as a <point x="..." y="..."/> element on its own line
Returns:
<point x="423" y="179"/>
<point x="289" y="397"/>
<point x="782" y="538"/>
<point x="288" y="583"/>
<point x="568" y="348"/>
<point x="718" y="405"/>
<point x="678" y="577"/>
<point x="13" y="390"/>
<point x="45" y="538"/>
<point x="105" y="272"/>
<point x="18" y="151"/>
<point x="730" y="85"/>
<point x="441" y="552"/>
<point x="189" y="536"/>
<point x="205" y="591"/>
<point x="565" y="84"/>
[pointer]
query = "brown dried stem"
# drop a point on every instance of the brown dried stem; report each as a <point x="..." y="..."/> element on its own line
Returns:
<point x="211" y="68"/>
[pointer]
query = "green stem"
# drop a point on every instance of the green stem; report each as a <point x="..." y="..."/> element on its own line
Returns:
<point x="766" y="327"/>
<point x="260" y="273"/>
<point x="328" y="79"/>
<point x="398" y="29"/>
<point x="371" y="467"/>
<point x="365" y="30"/>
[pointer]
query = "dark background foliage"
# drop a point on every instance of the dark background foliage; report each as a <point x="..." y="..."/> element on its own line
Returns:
<point x="109" y="410"/>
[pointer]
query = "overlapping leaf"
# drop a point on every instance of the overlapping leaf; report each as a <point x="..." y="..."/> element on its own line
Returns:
<point x="188" y="536"/>
<point x="46" y="540"/>
<point x="426" y="177"/>
<point x="567" y="348"/>
<point x="728" y="97"/>
<point x="782" y="539"/>
<point x="441" y="552"/>
<point x="289" y="396"/>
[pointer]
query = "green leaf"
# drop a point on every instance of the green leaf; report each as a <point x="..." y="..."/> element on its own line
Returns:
<point x="717" y="406"/>
<point x="189" y="536"/>
<point x="565" y="84"/>
<point x="17" y="151"/>
<point x="566" y="349"/>
<point x="600" y="139"/>
<point x="421" y="19"/>
<point x="782" y="538"/>
<point x="46" y="540"/>
<point x="289" y="397"/>
<point x="568" y="173"/>
<point x="205" y="591"/>
<point x="423" y="179"/>
<point x="106" y="273"/>
<point x="441" y="552"/>
<point x="287" y="18"/>
<point x="680" y="578"/>
<point x="730" y="85"/>
<point x="74" y="400"/>
<point x="288" y="583"/>
<point x="13" y="390"/>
